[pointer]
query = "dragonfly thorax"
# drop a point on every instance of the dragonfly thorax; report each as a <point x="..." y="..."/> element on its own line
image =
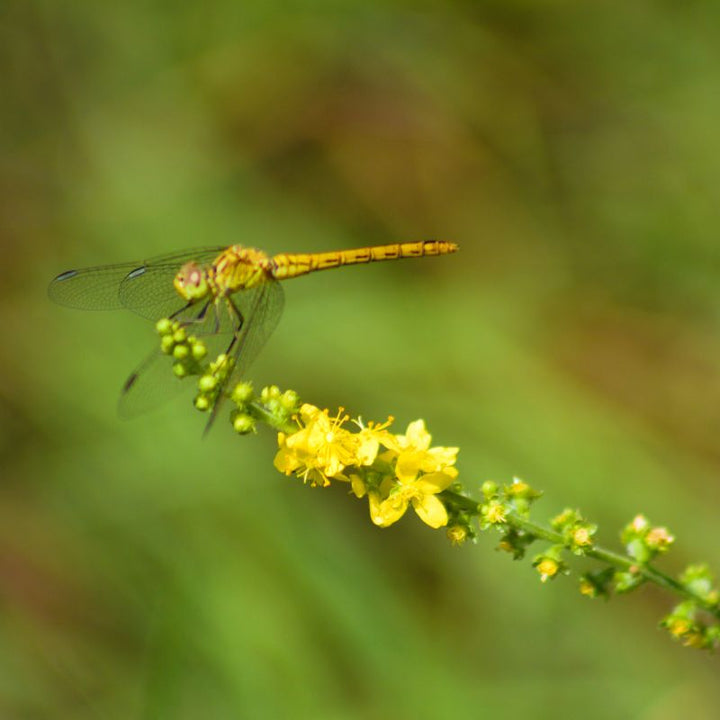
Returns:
<point x="237" y="268"/>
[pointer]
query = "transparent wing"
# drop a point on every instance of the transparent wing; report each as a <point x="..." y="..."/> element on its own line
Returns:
<point x="153" y="381"/>
<point x="94" y="288"/>
<point x="259" y="311"/>
<point x="149" y="386"/>
<point x="241" y="334"/>
<point x="146" y="285"/>
<point x="148" y="289"/>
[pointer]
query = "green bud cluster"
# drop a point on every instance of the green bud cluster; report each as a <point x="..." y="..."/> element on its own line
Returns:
<point x="643" y="542"/>
<point x="461" y="512"/>
<point x="550" y="563"/>
<point x="501" y="505"/>
<point x="272" y="406"/>
<point x="576" y="532"/>
<point x="212" y="381"/>
<point x="186" y="350"/>
<point x="190" y="358"/>
<point x="597" y="583"/>
<point x="694" y="622"/>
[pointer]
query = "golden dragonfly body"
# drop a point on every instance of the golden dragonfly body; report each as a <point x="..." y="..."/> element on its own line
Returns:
<point x="231" y="297"/>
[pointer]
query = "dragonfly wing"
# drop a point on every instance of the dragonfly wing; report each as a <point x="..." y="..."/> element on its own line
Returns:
<point x="261" y="314"/>
<point x="94" y="288"/>
<point x="148" y="386"/>
<point x="154" y="381"/>
<point x="259" y="309"/>
<point x="148" y="288"/>
<point x="98" y="288"/>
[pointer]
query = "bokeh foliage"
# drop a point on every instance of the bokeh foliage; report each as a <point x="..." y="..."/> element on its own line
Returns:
<point x="571" y="149"/>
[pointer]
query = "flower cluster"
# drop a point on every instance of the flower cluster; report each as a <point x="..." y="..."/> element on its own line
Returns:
<point x="577" y="533"/>
<point x="394" y="471"/>
<point x="645" y="542"/>
<point x="685" y="623"/>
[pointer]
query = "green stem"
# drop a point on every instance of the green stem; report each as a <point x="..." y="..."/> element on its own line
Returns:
<point x="462" y="502"/>
<point x="262" y="414"/>
<point x="622" y="562"/>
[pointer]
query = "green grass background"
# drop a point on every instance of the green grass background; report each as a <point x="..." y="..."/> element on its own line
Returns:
<point x="571" y="149"/>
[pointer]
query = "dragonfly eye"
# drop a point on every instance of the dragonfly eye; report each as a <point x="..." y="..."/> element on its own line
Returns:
<point x="191" y="282"/>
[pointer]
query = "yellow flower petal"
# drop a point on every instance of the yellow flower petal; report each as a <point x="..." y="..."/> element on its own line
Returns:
<point x="431" y="511"/>
<point x="376" y="513"/>
<point x="366" y="449"/>
<point x="442" y="457"/>
<point x="285" y="460"/>
<point x="436" y="482"/>
<point x="409" y="464"/>
<point x="369" y="439"/>
<point x="357" y="484"/>
<point x="385" y="512"/>
<point x="417" y="436"/>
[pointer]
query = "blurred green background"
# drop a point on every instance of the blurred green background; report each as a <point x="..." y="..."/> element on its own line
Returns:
<point x="571" y="149"/>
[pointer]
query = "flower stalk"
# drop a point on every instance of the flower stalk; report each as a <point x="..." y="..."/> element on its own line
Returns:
<point x="395" y="472"/>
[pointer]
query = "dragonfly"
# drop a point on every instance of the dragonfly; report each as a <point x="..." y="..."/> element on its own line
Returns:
<point x="230" y="297"/>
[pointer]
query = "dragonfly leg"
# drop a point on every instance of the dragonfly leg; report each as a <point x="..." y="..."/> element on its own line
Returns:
<point x="236" y="315"/>
<point x="231" y="353"/>
<point x="180" y="310"/>
<point x="199" y="318"/>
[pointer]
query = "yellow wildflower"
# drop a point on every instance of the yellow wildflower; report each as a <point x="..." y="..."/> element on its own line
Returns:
<point x="457" y="534"/>
<point x="680" y="627"/>
<point x="421" y="473"/>
<point x="494" y="512"/>
<point x="518" y="488"/>
<point x="658" y="538"/>
<point x="319" y="450"/>
<point x="420" y="492"/>
<point x="581" y="536"/>
<point x="547" y="568"/>
<point x="369" y="439"/>
<point x="414" y="454"/>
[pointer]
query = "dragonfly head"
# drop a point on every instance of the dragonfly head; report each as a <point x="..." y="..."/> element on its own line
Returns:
<point x="191" y="282"/>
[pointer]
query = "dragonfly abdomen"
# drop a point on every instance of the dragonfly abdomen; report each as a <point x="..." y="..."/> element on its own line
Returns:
<point x="289" y="265"/>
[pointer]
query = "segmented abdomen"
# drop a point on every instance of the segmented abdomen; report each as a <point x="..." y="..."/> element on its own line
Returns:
<point x="289" y="265"/>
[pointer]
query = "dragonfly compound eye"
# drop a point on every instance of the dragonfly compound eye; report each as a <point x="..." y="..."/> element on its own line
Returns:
<point x="191" y="282"/>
